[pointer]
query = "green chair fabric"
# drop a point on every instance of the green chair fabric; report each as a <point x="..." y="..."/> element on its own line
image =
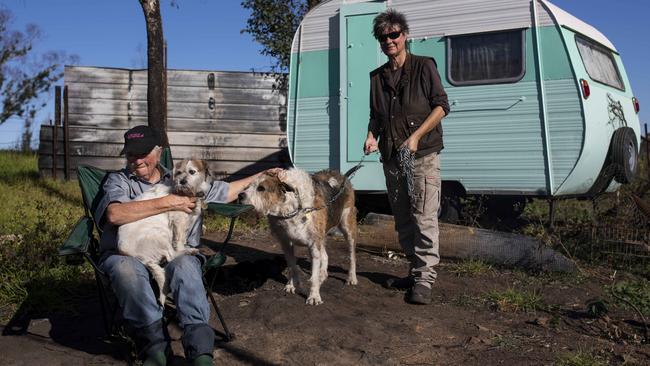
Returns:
<point x="82" y="242"/>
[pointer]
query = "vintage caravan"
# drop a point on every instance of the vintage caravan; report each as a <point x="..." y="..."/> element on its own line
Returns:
<point x="541" y="104"/>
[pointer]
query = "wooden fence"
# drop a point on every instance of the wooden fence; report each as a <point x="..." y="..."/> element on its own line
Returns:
<point x="234" y="120"/>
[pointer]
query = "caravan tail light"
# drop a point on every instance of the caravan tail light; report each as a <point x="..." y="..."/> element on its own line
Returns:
<point x="585" y="88"/>
<point x="637" y="107"/>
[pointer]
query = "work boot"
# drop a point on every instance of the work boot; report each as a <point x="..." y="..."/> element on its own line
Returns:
<point x="404" y="283"/>
<point x="156" y="359"/>
<point x="203" y="360"/>
<point x="419" y="294"/>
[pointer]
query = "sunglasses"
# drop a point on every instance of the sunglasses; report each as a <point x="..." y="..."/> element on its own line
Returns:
<point x="391" y="35"/>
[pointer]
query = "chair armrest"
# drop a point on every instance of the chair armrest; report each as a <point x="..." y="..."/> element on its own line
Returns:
<point x="79" y="239"/>
<point x="228" y="209"/>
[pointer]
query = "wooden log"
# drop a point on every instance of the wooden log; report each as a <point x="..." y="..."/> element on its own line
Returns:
<point x="462" y="242"/>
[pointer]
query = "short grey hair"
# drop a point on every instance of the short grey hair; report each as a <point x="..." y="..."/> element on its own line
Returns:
<point x="387" y="20"/>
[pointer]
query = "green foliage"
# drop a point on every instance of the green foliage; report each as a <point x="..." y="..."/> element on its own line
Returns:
<point x="23" y="75"/>
<point x="636" y="293"/>
<point x="580" y="359"/>
<point x="273" y="23"/>
<point x="512" y="300"/>
<point x="36" y="215"/>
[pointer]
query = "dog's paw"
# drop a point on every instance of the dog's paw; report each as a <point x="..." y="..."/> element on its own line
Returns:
<point x="352" y="281"/>
<point x="314" y="300"/>
<point x="290" y="289"/>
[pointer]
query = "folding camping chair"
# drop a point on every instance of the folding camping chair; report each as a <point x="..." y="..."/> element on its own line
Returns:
<point x="83" y="243"/>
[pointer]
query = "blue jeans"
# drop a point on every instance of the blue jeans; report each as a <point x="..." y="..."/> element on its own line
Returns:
<point x="131" y="283"/>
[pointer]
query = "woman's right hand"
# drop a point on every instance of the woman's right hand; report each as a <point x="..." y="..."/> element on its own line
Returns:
<point x="370" y="145"/>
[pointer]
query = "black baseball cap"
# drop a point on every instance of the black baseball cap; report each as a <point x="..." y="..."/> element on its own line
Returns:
<point x="140" y="140"/>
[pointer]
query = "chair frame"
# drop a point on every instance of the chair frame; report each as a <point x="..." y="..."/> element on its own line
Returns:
<point x="83" y="244"/>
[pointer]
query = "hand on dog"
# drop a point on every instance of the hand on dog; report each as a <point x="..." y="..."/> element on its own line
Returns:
<point x="181" y="203"/>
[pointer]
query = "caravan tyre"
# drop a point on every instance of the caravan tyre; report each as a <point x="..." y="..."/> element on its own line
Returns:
<point x="449" y="209"/>
<point x="624" y="155"/>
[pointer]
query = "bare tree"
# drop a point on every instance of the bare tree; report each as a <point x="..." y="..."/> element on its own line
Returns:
<point x="24" y="75"/>
<point x="157" y="74"/>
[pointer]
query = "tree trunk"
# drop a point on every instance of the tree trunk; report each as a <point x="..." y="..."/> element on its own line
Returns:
<point x="157" y="75"/>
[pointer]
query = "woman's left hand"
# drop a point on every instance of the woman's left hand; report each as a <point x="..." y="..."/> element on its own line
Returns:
<point x="411" y="143"/>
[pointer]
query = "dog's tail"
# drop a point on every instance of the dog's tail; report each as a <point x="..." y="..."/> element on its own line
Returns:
<point x="352" y="171"/>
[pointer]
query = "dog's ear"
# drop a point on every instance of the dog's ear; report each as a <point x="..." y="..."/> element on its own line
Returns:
<point x="286" y="188"/>
<point x="207" y="172"/>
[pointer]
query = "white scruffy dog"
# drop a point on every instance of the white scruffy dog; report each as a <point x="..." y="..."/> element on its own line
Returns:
<point x="159" y="239"/>
<point x="301" y="209"/>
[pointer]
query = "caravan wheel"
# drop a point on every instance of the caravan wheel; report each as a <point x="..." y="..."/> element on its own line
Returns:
<point x="624" y="155"/>
<point x="449" y="209"/>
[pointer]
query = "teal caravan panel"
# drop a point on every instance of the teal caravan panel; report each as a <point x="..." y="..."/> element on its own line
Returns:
<point x="313" y="133"/>
<point x="563" y="106"/>
<point x="598" y="126"/>
<point x="493" y="139"/>
<point x="359" y="56"/>
<point x="312" y="114"/>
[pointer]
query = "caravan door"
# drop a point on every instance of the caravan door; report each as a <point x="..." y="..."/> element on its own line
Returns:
<point x="360" y="54"/>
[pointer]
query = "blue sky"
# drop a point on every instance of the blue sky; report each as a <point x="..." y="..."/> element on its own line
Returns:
<point x="205" y="35"/>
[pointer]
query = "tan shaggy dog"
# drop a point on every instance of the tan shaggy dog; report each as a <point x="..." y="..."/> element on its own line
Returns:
<point x="158" y="239"/>
<point x="301" y="209"/>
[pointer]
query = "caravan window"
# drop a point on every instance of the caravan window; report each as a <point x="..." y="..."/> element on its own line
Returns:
<point x="486" y="58"/>
<point x="599" y="63"/>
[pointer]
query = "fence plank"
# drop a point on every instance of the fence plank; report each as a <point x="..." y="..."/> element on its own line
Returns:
<point x="223" y="79"/>
<point x="176" y="109"/>
<point x="184" y="124"/>
<point x="82" y="91"/>
<point x="221" y="168"/>
<point x="179" y="138"/>
<point x="250" y="154"/>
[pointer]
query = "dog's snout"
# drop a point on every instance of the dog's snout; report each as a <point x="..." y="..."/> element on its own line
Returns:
<point x="242" y="196"/>
<point x="183" y="181"/>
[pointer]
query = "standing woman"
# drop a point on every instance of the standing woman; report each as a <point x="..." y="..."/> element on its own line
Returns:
<point x="407" y="104"/>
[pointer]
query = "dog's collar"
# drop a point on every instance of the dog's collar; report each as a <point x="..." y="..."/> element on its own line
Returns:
<point x="297" y="211"/>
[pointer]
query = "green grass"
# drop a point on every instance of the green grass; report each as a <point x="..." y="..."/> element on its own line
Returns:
<point x="471" y="267"/>
<point x="513" y="300"/>
<point x="580" y="358"/>
<point x="36" y="215"/>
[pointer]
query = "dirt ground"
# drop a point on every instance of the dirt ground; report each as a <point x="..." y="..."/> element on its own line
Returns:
<point x="366" y="324"/>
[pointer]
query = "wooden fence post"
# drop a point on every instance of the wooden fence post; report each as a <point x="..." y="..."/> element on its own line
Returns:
<point x="55" y="129"/>
<point x="66" y="135"/>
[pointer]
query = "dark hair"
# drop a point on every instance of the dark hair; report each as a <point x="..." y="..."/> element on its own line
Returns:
<point x="388" y="19"/>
